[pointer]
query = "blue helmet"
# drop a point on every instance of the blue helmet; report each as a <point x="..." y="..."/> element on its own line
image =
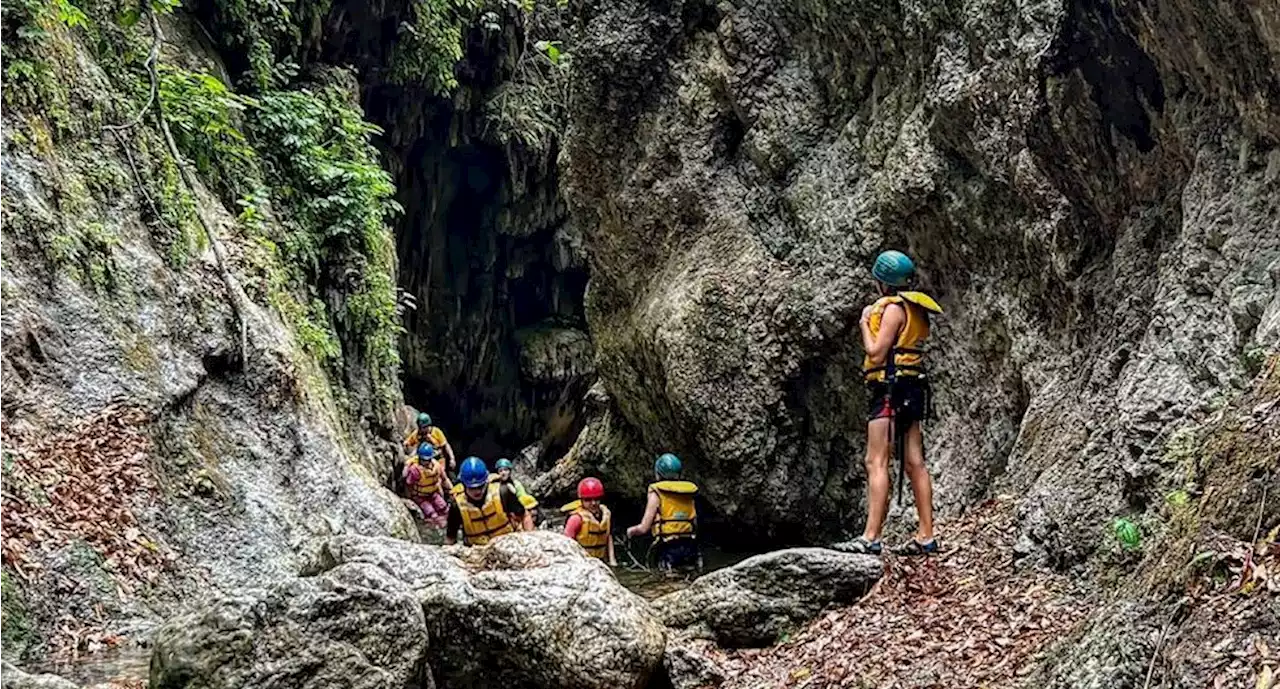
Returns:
<point x="473" y="472"/>
<point x="667" y="466"/>
<point x="426" y="451"/>
<point x="893" y="268"/>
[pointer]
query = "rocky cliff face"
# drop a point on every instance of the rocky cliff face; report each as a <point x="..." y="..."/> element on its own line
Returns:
<point x="152" y="451"/>
<point x="1090" y="189"/>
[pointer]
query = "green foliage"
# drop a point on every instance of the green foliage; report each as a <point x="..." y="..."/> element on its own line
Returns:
<point x="531" y="108"/>
<point x="204" y="118"/>
<point x="429" y="44"/>
<point x="264" y="33"/>
<point x="336" y="201"/>
<point x="37" y="49"/>
<point x="1127" y="534"/>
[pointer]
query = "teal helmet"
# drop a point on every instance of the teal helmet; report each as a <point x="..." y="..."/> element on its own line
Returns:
<point x="893" y="268"/>
<point x="424" y="419"/>
<point x="503" y="463"/>
<point x="667" y="466"/>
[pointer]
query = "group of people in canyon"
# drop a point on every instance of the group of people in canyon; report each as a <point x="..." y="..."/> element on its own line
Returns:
<point x="482" y="504"/>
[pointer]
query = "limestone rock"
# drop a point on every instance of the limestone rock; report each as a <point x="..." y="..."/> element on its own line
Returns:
<point x="527" y="610"/>
<point x="353" y="626"/>
<point x="753" y="602"/>
<point x="689" y="663"/>
<point x="1092" y="204"/>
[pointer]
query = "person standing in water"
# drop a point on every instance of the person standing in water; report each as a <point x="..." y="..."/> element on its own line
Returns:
<point x="590" y="523"/>
<point x="894" y="328"/>
<point x="671" y="516"/>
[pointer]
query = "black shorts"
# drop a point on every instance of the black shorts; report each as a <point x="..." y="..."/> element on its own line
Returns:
<point x="678" y="553"/>
<point x="910" y="401"/>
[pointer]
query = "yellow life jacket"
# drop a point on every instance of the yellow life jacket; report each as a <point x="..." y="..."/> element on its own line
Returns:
<point x="594" y="535"/>
<point x="908" y="357"/>
<point x="435" y="436"/>
<point x="484" y="523"/>
<point x="677" y="514"/>
<point x="428" y="478"/>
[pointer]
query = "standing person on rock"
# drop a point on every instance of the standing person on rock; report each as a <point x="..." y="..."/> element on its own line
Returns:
<point x="425" y="432"/>
<point x="428" y="484"/>
<point x="671" y="516"/>
<point x="483" y="510"/>
<point x="590" y="523"/>
<point x="893" y="329"/>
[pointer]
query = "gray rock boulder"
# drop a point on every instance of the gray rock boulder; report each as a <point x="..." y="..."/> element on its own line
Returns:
<point x="690" y="662"/>
<point x="353" y="626"/>
<point x="755" y="601"/>
<point x="13" y="678"/>
<point x="528" y="610"/>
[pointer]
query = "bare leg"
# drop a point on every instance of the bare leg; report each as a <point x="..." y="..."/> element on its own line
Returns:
<point x="921" y="483"/>
<point x="877" y="477"/>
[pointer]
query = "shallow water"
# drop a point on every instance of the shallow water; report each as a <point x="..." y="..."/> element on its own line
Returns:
<point x="635" y="570"/>
<point x="126" y="666"/>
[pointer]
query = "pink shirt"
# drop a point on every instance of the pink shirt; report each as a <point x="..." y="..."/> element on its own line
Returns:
<point x="572" y="525"/>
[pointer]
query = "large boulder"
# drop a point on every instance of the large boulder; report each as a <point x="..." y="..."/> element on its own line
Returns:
<point x="353" y="626"/>
<point x="528" y="610"/>
<point x="755" y="601"/>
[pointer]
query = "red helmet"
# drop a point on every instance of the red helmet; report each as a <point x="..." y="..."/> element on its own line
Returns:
<point x="590" y="489"/>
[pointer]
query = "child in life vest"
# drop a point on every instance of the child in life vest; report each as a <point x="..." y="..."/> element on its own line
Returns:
<point x="427" y="484"/>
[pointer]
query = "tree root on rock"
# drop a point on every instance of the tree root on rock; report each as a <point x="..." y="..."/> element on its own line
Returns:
<point x="235" y="294"/>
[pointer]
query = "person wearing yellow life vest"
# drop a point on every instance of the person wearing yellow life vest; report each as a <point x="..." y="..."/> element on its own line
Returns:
<point x="427" y="484"/>
<point x="894" y="329"/>
<point x="426" y="432"/>
<point x="671" y="517"/>
<point x="481" y="510"/>
<point x="590" y="522"/>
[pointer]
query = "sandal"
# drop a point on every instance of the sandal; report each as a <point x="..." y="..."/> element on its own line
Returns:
<point x="914" y="548"/>
<point x="860" y="546"/>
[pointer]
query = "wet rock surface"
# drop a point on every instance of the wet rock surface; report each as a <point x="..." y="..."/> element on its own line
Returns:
<point x="13" y="678"/>
<point x="755" y="601"/>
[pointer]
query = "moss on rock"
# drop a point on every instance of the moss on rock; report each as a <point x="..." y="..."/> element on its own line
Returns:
<point x="16" y="629"/>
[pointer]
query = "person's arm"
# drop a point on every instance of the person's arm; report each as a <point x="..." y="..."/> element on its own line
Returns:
<point x="571" y="526"/>
<point x="878" y="347"/>
<point x="452" y="524"/>
<point x="613" y="561"/>
<point x="515" y="509"/>
<point x="448" y="454"/>
<point x="650" y="513"/>
<point x="446" y="486"/>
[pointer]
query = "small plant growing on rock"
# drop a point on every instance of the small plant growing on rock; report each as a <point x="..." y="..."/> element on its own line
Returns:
<point x="1127" y="534"/>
